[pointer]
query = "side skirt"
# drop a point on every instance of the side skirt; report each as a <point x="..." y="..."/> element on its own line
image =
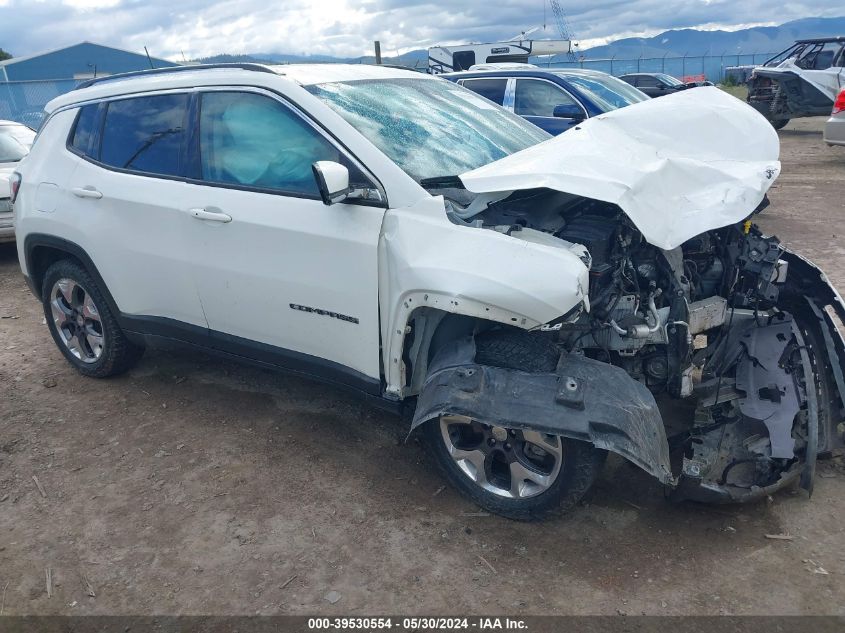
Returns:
<point x="148" y="328"/>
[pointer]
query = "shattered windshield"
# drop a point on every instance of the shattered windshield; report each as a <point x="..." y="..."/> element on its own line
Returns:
<point x="609" y="93"/>
<point x="429" y="127"/>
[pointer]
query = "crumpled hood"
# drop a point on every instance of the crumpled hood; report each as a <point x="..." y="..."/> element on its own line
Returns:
<point x="678" y="166"/>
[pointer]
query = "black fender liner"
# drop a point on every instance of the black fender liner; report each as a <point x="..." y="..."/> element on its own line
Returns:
<point x="819" y="293"/>
<point x="582" y="399"/>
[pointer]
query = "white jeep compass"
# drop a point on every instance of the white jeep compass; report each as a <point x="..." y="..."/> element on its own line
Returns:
<point x="523" y="299"/>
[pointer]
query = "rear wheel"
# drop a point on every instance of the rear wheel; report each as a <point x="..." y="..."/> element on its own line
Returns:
<point x="81" y="323"/>
<point x="778" y="123"/>
<point x="519" y="473"/>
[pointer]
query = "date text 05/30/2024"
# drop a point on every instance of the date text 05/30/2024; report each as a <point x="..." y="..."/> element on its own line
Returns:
<point x="416" y="624"/>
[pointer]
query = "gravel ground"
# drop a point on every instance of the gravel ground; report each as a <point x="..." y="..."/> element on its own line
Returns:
<point x="195" y="486"/>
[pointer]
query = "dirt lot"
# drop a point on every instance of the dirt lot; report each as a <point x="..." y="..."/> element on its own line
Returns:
<point x="196" y="486"/>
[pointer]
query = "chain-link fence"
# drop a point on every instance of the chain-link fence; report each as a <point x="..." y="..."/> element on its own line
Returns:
<point x="711" y="67"/>
<point x="24" y="101"/>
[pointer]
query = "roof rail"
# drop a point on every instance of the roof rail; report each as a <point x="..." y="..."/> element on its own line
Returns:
<point x="259" y="68"/>
<point x="822" y="40"/>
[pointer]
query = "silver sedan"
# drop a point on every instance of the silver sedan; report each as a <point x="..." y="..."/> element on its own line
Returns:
<point x="834" y="129"/>
<point x="15" y="141"/>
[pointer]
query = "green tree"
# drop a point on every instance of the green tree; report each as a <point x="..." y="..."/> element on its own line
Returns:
<point x="4" y="55"/>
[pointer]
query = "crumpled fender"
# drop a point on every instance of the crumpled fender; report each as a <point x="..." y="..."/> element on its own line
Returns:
<point x="819" y="293"/>
<point x="582" y="399"/>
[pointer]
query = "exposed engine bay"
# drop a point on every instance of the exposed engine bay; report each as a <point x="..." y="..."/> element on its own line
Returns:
<point x="730" y="322"/>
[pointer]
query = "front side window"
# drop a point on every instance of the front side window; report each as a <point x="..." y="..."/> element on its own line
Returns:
<point x="608" y="93"/>
<point x="83" y="131"/>
<point x="539" y="98"/>
<point x="145" y="134"/>
<point x="493" y="89"/>
<point x="255" y="141"/>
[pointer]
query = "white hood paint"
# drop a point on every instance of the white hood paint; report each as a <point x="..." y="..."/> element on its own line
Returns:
<point x="678" y="166"/>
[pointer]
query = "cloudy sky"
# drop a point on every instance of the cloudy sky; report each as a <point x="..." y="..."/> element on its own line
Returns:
<point x="347" y="27"/>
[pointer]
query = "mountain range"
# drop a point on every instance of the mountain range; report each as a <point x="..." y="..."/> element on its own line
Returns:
<point x="676" y="42"/>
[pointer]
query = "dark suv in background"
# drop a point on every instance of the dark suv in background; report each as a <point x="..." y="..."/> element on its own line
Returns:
<point x="553" y="100"/>
<point x="659" y="84"/>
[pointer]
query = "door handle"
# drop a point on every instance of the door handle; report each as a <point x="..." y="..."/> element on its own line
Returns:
<point x="213" y="216"/>
<point x="86" y="192"/>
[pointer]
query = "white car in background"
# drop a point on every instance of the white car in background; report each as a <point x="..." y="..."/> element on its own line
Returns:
<point x="15" y="142"/>
<point x="834" y="129"/>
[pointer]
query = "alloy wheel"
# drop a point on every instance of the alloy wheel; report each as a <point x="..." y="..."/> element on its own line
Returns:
<point x="77" y="320"/>
<point x="510" y="463"/>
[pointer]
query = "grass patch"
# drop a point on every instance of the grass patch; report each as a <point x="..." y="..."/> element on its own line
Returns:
<point x="740" y="92"/>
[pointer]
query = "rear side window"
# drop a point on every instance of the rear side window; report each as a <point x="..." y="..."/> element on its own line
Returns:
<point x="145" y="134"/>
<point x="254" y="141"/>
<point x="493" y="89"/>
<point x="83" y="131"/>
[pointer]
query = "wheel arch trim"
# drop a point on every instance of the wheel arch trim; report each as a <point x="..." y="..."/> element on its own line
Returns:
<point x="34" y="241"/>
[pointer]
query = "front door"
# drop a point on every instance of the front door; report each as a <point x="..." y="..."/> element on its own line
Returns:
<point x="536" y="99"/>
<point x="282" y="277"/>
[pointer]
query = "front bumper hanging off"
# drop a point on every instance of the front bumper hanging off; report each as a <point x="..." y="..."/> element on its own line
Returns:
<point x="582" y="399"/>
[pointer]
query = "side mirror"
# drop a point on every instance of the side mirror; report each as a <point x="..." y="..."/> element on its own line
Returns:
<point x="568" y="111"/>
<point x="332" y="181"/>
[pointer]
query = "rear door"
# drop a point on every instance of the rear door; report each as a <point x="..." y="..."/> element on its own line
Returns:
<point x="128" y="200"/>
<point x="283" y="277"/>
<point x="536" y="99"/>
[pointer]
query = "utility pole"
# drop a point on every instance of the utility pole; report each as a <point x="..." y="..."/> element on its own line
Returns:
<point x="378" y="51"/>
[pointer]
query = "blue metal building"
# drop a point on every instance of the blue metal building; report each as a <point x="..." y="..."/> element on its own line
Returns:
<point x="28" y="83"/>
<point x="79" y="61"/>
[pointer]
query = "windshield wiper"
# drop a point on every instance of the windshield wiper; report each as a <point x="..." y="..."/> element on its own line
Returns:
<point x="442" y="182"/>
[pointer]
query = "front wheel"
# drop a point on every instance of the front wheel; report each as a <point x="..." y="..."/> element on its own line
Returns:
<point x="520" y="474"/>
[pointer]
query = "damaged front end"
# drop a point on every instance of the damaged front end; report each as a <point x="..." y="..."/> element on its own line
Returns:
<point x="688" y="300"/>
<point x="729" y="321"/>
<point x="768" y="382"/>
